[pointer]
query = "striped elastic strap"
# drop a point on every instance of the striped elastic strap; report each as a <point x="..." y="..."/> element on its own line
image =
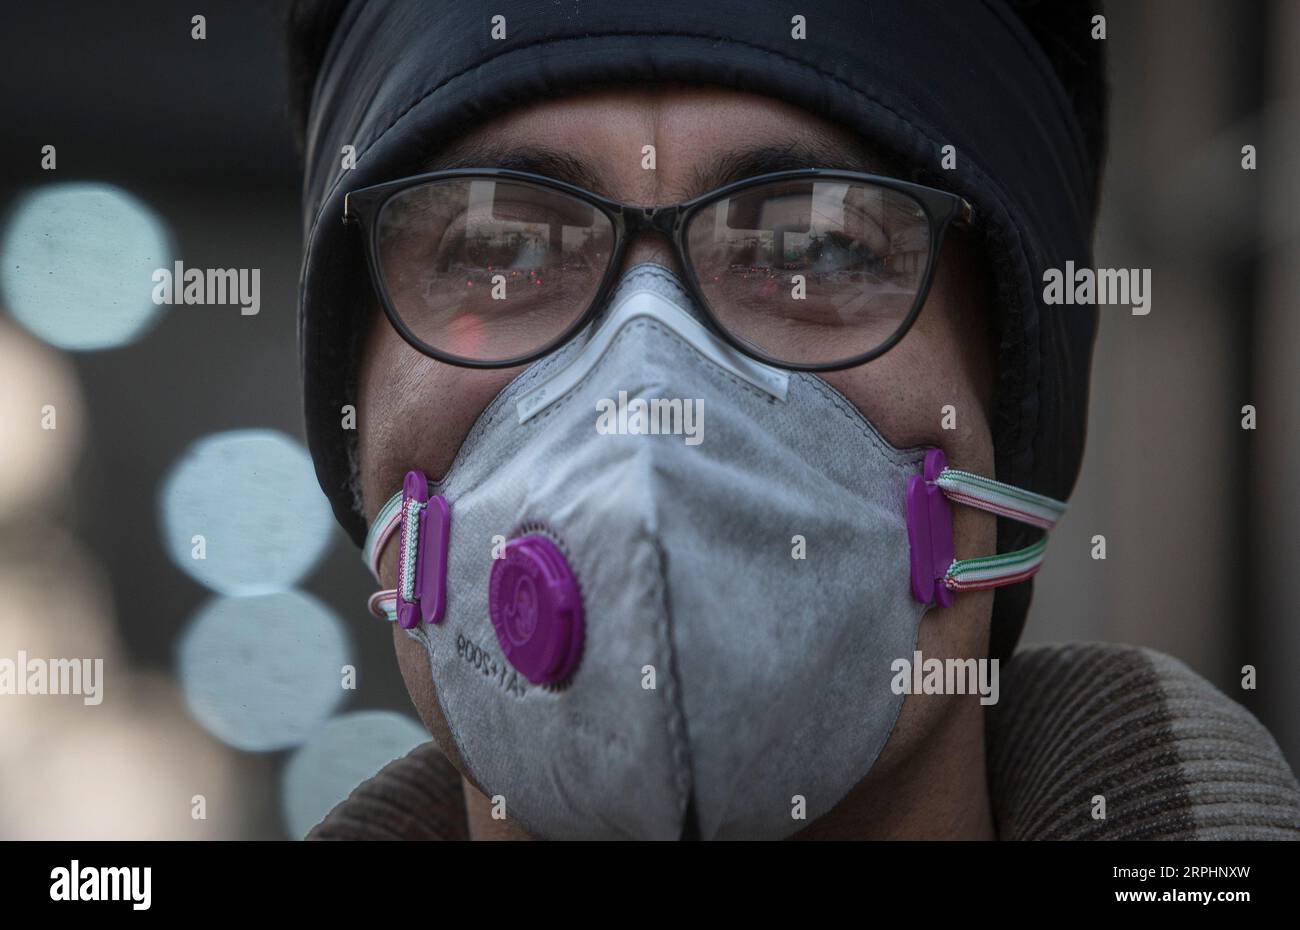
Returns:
<point x="383" y="604"/>
<point x="963" y="487"/>
<point x="386" y="523"/>
<point x="1004" y="500"/>
<point x="995" y="570"/>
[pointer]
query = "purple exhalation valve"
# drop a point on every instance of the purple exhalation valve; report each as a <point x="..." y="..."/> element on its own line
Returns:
<point x="929" y="532"/>
<point x="422" y="553"/>
<point x="536" y="609"/>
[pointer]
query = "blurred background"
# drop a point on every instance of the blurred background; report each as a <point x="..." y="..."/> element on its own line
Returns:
<point x="134" y="437"/>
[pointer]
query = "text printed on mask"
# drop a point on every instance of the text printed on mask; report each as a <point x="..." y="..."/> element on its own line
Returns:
<point x="482" y="661"/>
<point x="654" y="417"/>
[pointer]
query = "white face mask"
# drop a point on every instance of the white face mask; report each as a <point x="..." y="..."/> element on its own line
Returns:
<point x="693" y="623"/>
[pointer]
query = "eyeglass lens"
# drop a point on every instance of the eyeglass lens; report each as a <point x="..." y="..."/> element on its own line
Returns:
<point x="803" y="271"/>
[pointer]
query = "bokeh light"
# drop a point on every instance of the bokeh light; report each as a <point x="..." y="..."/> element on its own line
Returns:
<point x="253" y="498"/>
<point x="128" y="769"/>
<point x="55" y="602"/>
<point x="41" y="422"/>
<point x="125" y="768"/>
<point x="263" y="673"/>
<point x="350" y="749"/>
<point x="76" y="264"/>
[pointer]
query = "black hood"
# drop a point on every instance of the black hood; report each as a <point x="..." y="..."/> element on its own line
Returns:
<point x="399" y="78"/>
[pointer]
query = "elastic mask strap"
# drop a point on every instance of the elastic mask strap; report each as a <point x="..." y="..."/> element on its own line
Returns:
<point x="936" y="574"/>
<point x="423" y="523"/>
<point x="382" y="604"/>
<point x="1004" y="500"/>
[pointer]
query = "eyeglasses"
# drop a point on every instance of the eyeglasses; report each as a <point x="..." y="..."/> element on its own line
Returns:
<point x="809" y="270"/>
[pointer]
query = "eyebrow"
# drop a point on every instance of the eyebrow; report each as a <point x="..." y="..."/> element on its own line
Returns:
<point x="729" y="166"/>
<point x="741" y="163"/>
<point x="551" y="163"/>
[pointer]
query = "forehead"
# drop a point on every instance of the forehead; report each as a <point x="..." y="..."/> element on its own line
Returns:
<point x="656" y="143"/>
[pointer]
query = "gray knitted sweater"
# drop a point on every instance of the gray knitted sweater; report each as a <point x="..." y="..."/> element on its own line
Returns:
<point x="1172" y="756"/>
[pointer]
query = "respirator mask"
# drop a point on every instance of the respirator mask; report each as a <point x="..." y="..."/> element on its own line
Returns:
<point x="662" y="584"/>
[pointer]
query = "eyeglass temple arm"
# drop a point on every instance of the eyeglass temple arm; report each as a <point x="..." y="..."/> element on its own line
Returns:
<point x="965" y="213"/>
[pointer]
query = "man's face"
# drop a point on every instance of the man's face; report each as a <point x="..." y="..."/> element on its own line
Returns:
<point x="416" y="411"/>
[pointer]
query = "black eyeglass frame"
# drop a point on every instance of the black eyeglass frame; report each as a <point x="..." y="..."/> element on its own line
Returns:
<point x="364" y="206"/>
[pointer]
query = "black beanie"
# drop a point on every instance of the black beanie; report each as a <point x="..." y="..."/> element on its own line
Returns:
<point x="397" y="78"/>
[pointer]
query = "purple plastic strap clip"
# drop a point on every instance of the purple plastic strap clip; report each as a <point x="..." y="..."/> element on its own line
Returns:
<point x="929" y="532"/>
<point x="422" y="553"/>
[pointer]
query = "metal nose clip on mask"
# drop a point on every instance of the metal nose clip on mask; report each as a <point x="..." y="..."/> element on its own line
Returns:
<point x="623" y="627"/>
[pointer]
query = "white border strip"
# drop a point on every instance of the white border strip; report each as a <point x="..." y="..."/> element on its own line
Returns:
<point x="646" y="303"/>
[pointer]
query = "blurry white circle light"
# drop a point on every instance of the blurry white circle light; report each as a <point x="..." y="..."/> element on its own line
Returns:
<point x="77" y="263"/>
<point x="242" y="512"/>
<point x="263" y="673"/>
<point x="349" y="749"/>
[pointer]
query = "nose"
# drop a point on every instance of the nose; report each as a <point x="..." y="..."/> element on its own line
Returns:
<point x="650" y="245"/>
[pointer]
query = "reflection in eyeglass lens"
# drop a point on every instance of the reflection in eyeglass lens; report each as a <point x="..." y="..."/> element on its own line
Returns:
<point x="811" y="272"/>
<point x="490" y="270"/>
